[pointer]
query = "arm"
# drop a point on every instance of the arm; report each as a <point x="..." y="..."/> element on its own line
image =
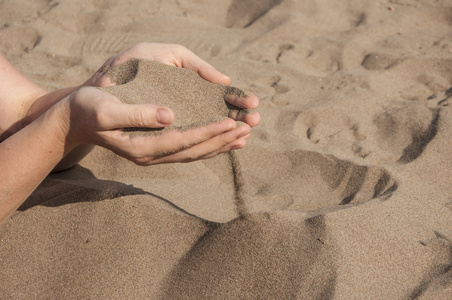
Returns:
<point x="27" y="154"/>
<point x="26" y="158"/>
<point x="16" y="95"/>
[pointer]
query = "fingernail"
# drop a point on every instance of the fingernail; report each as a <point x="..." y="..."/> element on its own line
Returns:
<point x="164" y="116"/>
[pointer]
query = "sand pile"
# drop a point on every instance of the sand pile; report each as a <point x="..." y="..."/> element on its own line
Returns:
<point x="194" y="101"/>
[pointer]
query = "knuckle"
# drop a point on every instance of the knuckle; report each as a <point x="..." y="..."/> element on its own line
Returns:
<point x="138" y="118"/>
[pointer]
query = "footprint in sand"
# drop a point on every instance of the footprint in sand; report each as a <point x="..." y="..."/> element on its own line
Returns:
<point x="435" y="283"/>
<point x="243" y="13"/>
<point x="308" y="181"/>
<point x="318" y="56"/>
<point x="406" y="129"/>
<point x="380" y="61"/>
<point x="282" y="49"/>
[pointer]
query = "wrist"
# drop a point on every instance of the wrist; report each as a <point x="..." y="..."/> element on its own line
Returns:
<point x="63" y="129"/>
<point x="45" y="101"/>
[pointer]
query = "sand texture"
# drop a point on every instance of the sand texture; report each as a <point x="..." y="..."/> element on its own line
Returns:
<point x="344" y="189"/>
<point x="194" y="101"/>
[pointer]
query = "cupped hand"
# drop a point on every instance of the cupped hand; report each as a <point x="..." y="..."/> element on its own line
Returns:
<point x="179" y="56"/>
<point x="99" y="118"/>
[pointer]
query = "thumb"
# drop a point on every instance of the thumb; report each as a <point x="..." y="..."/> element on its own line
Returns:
<point x="121" y="115"/>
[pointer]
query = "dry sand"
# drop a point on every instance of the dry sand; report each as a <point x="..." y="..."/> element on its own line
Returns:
<point x="194" y="101"/>
<point x="345" y="188"/>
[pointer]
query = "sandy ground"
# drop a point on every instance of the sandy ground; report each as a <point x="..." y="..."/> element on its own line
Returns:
<point x="346" y="190"/>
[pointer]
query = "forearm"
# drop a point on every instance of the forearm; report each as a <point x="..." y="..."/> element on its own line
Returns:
<point x="28" y="156"/>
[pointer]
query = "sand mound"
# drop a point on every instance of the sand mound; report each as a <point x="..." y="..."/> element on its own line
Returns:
<point x="194" y="101"/>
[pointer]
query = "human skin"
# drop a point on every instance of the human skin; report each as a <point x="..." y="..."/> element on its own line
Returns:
<point x="44" y="131"/>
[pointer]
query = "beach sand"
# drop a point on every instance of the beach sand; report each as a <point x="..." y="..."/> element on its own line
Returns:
<point x="194" y="101"/>
<point x="344" y="188"/>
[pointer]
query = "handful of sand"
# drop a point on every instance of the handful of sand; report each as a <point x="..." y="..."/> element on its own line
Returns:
<point x="195" y="101"/>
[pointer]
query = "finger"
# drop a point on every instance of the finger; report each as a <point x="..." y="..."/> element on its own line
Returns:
<point x="249" y="102"/>
<point x="148" y="150"/>
<point x="236" y="145"/>
<point x="175" y="141"/>
<point x="252" y="119"/>
<point x="100" y="78"/>
<point x="247" y="136"/>
<point x="189" y="60"/>
<point x="105" y="81"/>
<point x="121" y="115"/>
<point x="144" y="150"/>
<point x="221" y="143"/>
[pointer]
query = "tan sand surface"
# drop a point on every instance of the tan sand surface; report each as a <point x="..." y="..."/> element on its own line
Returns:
<point x="345" y="188"/>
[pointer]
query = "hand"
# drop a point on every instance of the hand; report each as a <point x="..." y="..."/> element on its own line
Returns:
<point x="178" y="56"/>
<point x="96" y="117"/>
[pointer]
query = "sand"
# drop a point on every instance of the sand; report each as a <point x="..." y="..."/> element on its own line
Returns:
<point x="345" y="185"/>
<point x="194" y="101"/>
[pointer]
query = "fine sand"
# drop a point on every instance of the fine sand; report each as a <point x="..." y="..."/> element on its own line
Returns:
<point x="343" y="190"/>
<point x="194" y="101"/>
